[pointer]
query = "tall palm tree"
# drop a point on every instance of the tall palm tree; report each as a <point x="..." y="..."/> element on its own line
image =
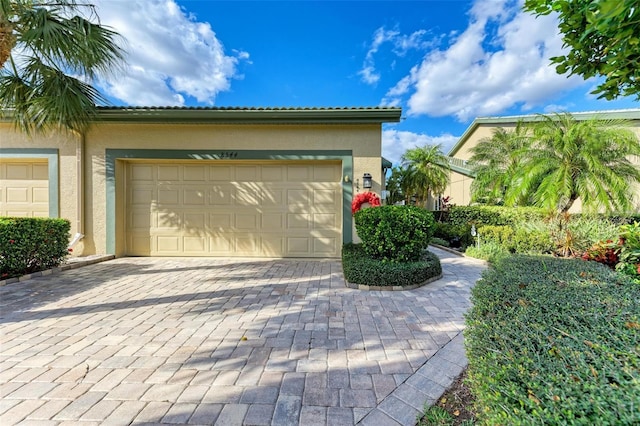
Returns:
<point x="587" y="160"/>
<point x="495" y="161"/>
<point x="49" y="52"/>
<point x="428" y="170"/>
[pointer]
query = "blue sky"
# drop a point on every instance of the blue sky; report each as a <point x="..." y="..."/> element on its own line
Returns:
<point x="445" y="62"/>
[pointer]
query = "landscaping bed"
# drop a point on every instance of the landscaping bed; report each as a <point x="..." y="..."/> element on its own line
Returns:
<point x="554" y="341"/>
<point x="393" y="253"/>
<point x="361" y="269"/>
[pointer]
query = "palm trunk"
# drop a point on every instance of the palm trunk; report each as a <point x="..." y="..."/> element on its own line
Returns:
<point x="7" y="40"/>
<point x="567" y="206"/>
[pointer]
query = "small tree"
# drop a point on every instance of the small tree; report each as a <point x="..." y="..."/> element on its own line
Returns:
<point x="570" y="160"/>
<point x="603" y="38"/>
<point x="496" y="161"/>
<point x="394" y="186"/>
<point x="395" y="233"/>
<point x="427" y="171"/>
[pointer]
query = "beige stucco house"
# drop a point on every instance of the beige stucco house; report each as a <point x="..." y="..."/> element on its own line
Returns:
<point x="459" y="188"/>
<point x="147" y="181"/>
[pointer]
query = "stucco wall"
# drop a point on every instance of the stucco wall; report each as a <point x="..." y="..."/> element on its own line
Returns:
<point x="364" y="140"/>
<point x="67" y="145"/>
<point x="459" y="189"/>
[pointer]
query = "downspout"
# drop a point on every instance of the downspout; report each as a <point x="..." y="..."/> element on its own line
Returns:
<point x="80" y="144"/>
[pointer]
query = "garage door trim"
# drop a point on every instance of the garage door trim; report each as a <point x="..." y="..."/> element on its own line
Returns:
<point x="51" y="155"/>
<point x="112" y="155"/>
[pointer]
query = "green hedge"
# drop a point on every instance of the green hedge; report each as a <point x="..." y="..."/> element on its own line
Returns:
<point x="493" y="215"/>
<point x="359" y="268"/>
<point x="554" y="341"/>
<point x="31" y="244"/>
<point x="395" y="233"/>
<point x="456" y="235"/>
<point x="520" y="240"/>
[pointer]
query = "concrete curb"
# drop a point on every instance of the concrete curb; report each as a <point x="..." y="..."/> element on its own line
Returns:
<point x="72" y="263"/>
<point x="391" y="287"/>
<point x="407" y="403"/>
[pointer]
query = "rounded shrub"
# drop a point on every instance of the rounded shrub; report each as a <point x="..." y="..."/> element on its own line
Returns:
<point x="359" y="268"/>
<point x="395" y="233"/>
<point x="29" y="244"/>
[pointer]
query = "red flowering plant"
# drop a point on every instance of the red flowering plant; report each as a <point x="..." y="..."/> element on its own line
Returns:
<point x="605" y="252"/>
<point x="362" y="198"/>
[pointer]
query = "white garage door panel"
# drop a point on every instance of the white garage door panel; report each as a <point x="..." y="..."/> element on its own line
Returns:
<point x="276" y="210"/>
<point x="24" y="188"/>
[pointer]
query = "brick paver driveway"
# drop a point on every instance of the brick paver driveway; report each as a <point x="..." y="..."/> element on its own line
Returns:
<point x="202" y="341"/>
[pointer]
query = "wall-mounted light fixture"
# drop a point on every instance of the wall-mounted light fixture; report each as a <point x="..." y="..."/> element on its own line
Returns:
<point x="367" y="183"/>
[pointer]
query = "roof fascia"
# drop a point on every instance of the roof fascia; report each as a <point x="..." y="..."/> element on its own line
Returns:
<point x="462" y="170"/>
<point x="252" y="116"/>
<point x="629" y="114"/>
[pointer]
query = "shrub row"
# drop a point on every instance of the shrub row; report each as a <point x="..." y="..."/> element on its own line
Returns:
<point x="554" y="341"/>
<point x="493" y="215"/>
<point x="359" y="268"/>
<point x="31" y="244"/>
<point x="517" y="240"/>
<point x="395" y="233"/>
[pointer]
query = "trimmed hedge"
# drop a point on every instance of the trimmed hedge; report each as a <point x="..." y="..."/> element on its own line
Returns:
<point x="494" y="215"/>
<point x="32" y="244"/>
<point x="395" y="233"/>
<point x="359" y="268"/>
<point x="554" y="341"/>
<point x="519" y="240"/>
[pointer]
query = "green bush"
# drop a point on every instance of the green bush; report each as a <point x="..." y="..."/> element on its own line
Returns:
<point x="440" y="242"/>
<point x="532" y="241"/>
<point x="517" y="240"/>
<point x="493" y="215"/>
<point x="554" y="341"/>
<point x="31" y="244"/>
<point x="359" y="268"/>
<point x="490" y="251"/>
<point x="500" y="235"/>
<point x="456" y="235"/>
<point x="630" y="251"/>
<point x="395" y="233"/>
<point x="572" y="234"/>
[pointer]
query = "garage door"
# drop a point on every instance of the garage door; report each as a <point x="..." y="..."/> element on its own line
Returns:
<point x="24" y="188"/>
<point x="267" y="209"/>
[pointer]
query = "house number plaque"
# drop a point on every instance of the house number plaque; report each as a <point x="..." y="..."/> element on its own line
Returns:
<point x="227" y="154"/>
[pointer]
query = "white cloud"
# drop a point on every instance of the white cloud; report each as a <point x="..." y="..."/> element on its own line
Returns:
<point x="558" y="108"/>
<point x="404" y="43"/>
<point x="369" y="74"/>
<point x="401" y="44"/>
<point x="499" y="61"/>
<point x="170" y="55"/>
<point x="396" y="142"/>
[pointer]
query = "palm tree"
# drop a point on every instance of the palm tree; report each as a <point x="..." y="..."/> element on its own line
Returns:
<point x="586" y="160"/>
<point x="49" y="51"/>
<point x="427" y="170"/>
<point x="495" y="161"/>
<point x="394" y="185"/>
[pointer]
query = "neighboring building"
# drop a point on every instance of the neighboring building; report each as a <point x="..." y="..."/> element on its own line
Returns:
<point x="459" y="188"/>
<point x="153" y="181"/>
